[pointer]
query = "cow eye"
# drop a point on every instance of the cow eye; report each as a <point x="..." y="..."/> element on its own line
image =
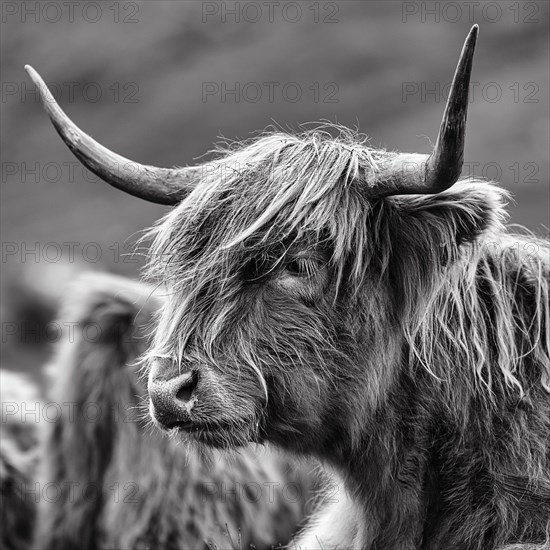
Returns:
<point x="301" y="267"/>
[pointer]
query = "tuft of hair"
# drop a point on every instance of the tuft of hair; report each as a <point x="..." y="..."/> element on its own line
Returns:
<point x="475" y="297"/>
<point x="124" y="485"/>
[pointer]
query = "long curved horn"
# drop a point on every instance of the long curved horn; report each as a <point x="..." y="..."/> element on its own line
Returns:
<point x="419" y="174"/>
<point x="159" y="185"/>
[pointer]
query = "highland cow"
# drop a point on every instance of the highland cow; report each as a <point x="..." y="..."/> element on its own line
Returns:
<point x="108" y="482"/>
<point x="359" y="306"/>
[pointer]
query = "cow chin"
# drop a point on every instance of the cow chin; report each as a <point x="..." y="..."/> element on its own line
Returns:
<point x="220" y="435"/>
<point x="223" y="438"/>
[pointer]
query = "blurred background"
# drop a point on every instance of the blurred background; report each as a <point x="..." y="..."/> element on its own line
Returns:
<point x="160" y="82"/>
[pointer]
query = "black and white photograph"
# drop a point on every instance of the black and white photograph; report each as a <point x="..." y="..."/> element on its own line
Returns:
<point x="275" y="275"/>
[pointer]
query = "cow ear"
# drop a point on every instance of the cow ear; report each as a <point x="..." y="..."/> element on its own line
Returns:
<point x="435" y="227"/>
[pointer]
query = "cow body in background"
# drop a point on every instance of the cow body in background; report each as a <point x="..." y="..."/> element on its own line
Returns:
<point x="19" y="433"/>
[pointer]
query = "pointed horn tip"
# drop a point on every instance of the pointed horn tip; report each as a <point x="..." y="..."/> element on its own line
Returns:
<point x="31" y="72"/>
<point x="472" y="37"/>
<point x="46" y="98"/>
<point x="467" y="54"/>
<point x="35" y="77"/>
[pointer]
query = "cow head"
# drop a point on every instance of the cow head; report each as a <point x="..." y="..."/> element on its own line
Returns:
<point x="290" y="264"/>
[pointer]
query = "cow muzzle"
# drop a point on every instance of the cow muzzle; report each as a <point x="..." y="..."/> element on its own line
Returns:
<point x="172" y="401"/>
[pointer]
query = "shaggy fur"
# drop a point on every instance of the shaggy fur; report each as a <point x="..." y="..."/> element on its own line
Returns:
<point x="18" y="444"/>
<point x="404" y="341"/>
<point x="120" y="486"/>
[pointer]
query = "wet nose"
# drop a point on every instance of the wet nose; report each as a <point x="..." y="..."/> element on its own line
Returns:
<point x="172" y="400"/>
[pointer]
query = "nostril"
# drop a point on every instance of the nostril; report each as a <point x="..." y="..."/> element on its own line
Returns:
<point x="187" y="386"/>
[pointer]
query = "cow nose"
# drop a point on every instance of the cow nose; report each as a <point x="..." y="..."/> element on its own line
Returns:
<point x="172" y="400"/>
